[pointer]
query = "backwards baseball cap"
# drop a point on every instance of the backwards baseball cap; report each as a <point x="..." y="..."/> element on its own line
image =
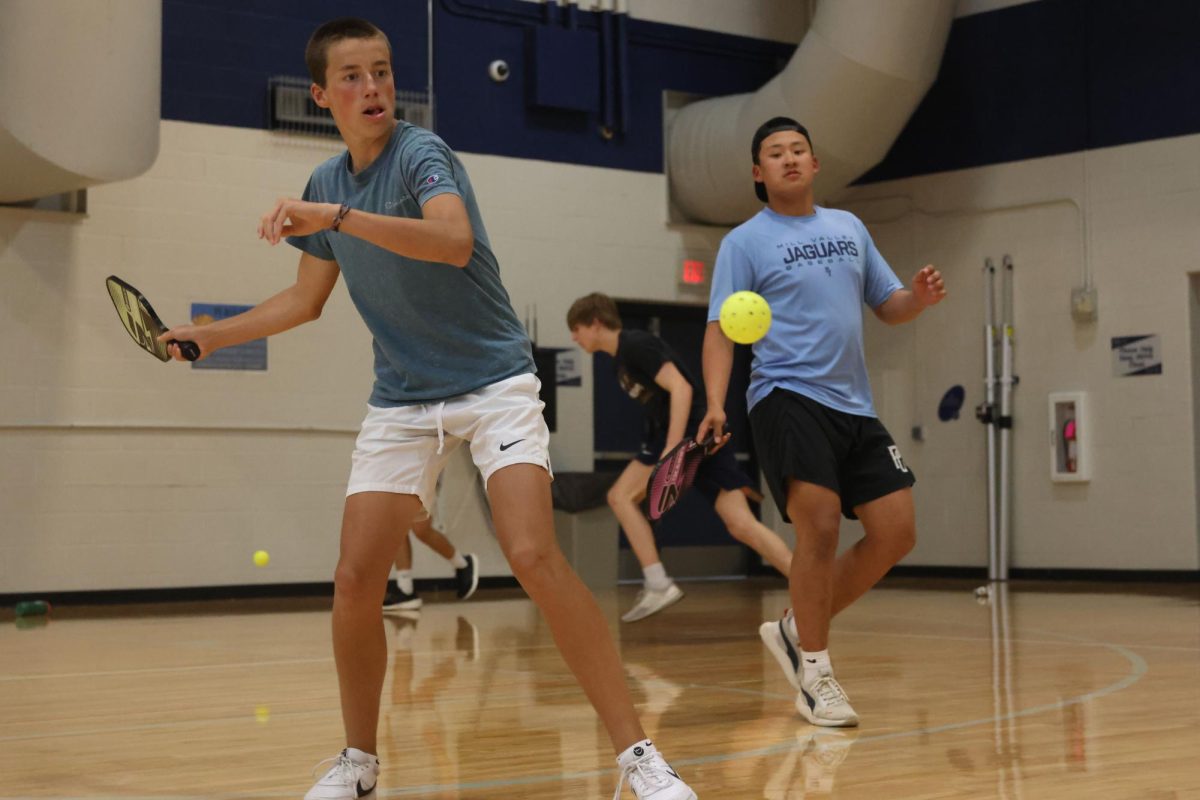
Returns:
<point x="772" y="126"/>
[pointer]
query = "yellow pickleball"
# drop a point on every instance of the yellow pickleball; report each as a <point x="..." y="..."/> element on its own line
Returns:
<point x="745" y="317"/>
<point x="261" y="558"/>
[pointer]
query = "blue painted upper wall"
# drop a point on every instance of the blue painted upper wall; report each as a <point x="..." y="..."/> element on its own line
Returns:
<point x="1052" y="77"/>
<point x="218" y="54"/>
<point x="476" y="114"/>
<point x="1025" y="81"/>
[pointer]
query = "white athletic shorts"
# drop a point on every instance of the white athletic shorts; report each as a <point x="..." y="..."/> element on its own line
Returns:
<point x="403" y="450"/>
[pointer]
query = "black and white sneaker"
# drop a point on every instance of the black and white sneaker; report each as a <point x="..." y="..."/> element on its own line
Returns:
<point x="466" y="580"/>
<point x="347" y="779"/>
<point x="397" y="599"/>
<point x="822" y="701"/>
<point x="777" y="636"/>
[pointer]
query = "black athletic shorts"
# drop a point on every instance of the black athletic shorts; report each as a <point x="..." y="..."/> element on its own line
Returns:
<point x="799" y="438"/>
<point x="719" y="472"/>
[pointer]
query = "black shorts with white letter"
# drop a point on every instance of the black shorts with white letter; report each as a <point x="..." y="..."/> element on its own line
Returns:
<point x="801" y="439"/>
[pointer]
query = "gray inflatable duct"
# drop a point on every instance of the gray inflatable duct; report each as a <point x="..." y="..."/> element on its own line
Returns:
<point x="854" y="81"/>
<point x="79" y="93"/>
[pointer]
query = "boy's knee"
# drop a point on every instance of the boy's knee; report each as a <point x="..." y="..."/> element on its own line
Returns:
<point x="617" y="498"/>
<point x="529" y="563"/>
<point x="898" y="541"/>
<point x="351" y="583"/>
<point x="904" y="541"/>
<point x="818" y="537"/>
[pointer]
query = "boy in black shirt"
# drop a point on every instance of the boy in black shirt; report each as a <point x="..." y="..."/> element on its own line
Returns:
<point x="651" y="373"/>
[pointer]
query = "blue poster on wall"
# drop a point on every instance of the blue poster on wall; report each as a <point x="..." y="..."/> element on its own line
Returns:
<point x="247" y="356"/>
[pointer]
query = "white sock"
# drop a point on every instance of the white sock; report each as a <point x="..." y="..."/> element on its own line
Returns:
<point x="359" y="756"/>
<point x="635" y="751"/>
<point x="814" y="663"/>
<point x="458" y="562"/>
<point x="656" y="577"/>
<point x="404" y="580"/>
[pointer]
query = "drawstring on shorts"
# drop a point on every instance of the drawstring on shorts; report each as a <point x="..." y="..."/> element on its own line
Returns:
<point x="441" y="407"/>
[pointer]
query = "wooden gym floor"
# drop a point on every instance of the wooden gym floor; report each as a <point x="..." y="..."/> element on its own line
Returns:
<point x="1046" y="691"/>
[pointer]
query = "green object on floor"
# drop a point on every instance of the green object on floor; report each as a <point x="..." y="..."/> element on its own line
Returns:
<point x="32" y="608"/>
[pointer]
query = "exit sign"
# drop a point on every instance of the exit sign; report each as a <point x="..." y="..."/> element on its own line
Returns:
<point x="693" y="272"/>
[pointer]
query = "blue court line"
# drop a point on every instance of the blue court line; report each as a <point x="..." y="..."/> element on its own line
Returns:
<point x="1138" y="668"/>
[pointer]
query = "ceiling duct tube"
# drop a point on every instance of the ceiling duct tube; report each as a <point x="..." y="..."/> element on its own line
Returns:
<point x="80" y="87"/>
<point x="854" y="81"/>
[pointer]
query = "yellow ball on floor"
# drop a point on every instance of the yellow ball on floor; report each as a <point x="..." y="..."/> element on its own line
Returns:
<point x="261" y="558"/>
<point x="745" y="317"/>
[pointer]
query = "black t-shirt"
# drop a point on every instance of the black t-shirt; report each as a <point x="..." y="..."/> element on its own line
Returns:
<point x="640" y="356"/>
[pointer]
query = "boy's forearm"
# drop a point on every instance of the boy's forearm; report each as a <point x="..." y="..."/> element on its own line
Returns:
<point x="901" y="307"/>
<point x="437" y="240"/>
<point x="681" y="404"/>
<point x="717" y="361"/>
<point x="276" y="314"/>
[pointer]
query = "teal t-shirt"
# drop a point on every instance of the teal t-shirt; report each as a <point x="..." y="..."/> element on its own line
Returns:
<point x="440" y="331"/>
<point x="815" y="273"/>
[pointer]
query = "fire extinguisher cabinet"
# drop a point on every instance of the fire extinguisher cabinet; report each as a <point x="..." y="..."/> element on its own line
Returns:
<point x="1070" y="437"/>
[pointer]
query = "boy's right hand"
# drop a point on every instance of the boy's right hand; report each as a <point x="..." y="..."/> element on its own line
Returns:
<point x="291" y="217"/>
<point x="714" y="421"/>
<point x="188" y="333"/>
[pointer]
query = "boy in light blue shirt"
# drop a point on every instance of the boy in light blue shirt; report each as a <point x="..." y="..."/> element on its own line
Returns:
<point x="822" y="449"/>
<point x="827" y="265"/>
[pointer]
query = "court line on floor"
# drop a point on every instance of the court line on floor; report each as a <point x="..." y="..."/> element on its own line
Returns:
<point x="428" y="653"/>
<point x="333" y="710"/>
<point x="226" y="665"/>
<point x="425" y="653"/>
<point x="1138" y="668"/>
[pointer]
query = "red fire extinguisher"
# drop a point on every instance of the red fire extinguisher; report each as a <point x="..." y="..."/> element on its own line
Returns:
<point x="1069" y="441"/>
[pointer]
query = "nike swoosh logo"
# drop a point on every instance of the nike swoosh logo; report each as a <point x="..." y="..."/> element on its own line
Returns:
<point x="504" y="447"/>
<point x="671" y="771"/>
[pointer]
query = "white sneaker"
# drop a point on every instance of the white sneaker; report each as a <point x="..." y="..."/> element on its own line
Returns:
<point x="823" y="702"/>
<point x="347" y="779"/>
<point x="651" y="601"/>
<point x="779" y="643"/>
<point x="650" y="777"/>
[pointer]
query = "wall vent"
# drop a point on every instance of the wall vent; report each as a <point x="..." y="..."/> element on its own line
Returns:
<point x="292" y="109"/>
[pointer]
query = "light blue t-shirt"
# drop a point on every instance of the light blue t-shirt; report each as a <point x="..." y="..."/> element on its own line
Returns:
<point x="815" y="273"/>
<point x="440" y="331"/>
